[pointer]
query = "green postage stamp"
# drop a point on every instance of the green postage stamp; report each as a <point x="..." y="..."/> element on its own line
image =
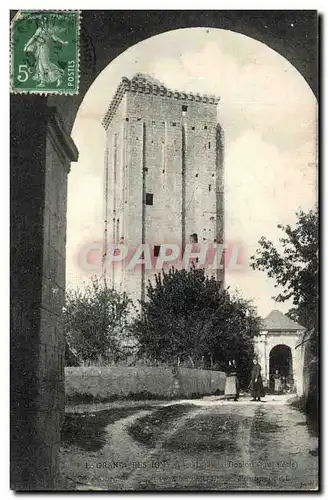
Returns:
<point x="45" y="52"/>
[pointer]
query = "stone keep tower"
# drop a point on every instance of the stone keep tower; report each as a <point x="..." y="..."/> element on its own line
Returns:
<point x="163" y="172"/>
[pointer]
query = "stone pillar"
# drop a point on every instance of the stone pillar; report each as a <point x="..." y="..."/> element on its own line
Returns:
<point x="260" y="348"/>
<point x="41" y="153"/>
<point x="297" y="370"/>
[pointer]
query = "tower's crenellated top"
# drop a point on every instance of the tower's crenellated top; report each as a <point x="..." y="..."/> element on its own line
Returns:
<point x="145" y="84"/>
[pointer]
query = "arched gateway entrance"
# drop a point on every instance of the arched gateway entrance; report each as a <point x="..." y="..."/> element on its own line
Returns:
<point x="38" y="218"/>
<point x="281" y="360"/>
<point x="277" y="349"/>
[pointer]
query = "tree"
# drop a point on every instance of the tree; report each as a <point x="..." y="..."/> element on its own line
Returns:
<point x="295" y="268"/>
<point x="95" y="322"/>
<point x="188" y="316"/>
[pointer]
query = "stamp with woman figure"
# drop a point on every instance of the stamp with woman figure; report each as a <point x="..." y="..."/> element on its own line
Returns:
<point x="45" y="52"/>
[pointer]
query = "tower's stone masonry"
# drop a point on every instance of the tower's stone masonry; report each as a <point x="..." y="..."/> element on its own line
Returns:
<point x="163" y="172"/>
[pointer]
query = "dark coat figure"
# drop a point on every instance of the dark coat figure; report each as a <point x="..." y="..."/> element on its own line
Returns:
<point x="256" y="384"/>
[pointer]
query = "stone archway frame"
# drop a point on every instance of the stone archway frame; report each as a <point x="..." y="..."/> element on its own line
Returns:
<point x="286" y="349"/>
<point x="290" y="340"/>
<point x="38" y="214"/>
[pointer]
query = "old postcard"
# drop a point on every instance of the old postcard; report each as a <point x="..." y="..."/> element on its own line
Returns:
<point x="164" y="250"/>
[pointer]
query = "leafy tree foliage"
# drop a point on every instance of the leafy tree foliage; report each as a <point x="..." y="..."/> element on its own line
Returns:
<point x="295" y="268"/>
<point x="95" y="323"/>
<point x="187" y="316"/>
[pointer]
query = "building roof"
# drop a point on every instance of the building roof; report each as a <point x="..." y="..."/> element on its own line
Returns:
<point x="145" y="84"/>
<point x="276" y="320"/>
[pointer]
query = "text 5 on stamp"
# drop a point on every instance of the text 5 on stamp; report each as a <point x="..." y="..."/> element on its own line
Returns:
<point x="45" y="52"/>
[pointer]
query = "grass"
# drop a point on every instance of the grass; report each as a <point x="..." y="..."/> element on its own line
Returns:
<point x="147" y="430"/>
<point x="87" y="431"/>
<point x="84" y="398"/>
<point x="310" y="409"/>
<point x="212" y="433"/>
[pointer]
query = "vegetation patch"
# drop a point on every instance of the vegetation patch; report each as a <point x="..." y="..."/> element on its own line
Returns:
<point x="147" y="430"/>
<point x="84" y="398"/>
<point x="310" y="412"/>
<point x="263" y="426"/>
<point x="206" y="433"/>
<point x="87" y="430"/>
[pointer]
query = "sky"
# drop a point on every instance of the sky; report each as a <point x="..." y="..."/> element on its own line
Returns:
<point x="268" y="113"/>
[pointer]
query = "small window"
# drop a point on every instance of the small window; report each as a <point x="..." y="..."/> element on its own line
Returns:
<point x="184" y="108"/>
<point x="196" y="175"/>
<point x="126" y="119"/>
<point x="193" y="238"/>
<point x="156" y="250"/>
<point x="149" y="199"/>
<point x="174" y="124"/>
<point x="209" y="145"/>
<point x="209" y="187"/>
<point x="192" y="128"/>
<point x="205" y="127"/>
<point x="145" y="169"/>
<point x="163" y="171"/>
<point x="139" y="119"/>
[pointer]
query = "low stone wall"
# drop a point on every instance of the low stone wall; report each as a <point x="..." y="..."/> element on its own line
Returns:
<point x="128" y="382"/>
<point x="192" y="382"/>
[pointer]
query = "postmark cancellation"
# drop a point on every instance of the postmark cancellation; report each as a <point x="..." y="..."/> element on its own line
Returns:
<point x="44" y="52"/>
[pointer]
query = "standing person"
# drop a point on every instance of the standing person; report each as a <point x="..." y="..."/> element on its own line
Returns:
<point x="256" y="383"/>
<point x="277" y="382"/>
<point x="284" y="384"/>
<point x="231" y="390"/>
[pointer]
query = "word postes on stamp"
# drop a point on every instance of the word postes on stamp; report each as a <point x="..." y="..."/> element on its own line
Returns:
<point x="45" y="52"/>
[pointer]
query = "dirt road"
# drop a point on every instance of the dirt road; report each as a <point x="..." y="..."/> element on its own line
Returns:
<point x="205" y="444"/>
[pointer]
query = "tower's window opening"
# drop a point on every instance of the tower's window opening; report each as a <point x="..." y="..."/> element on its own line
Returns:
<point x="149" y="199"/>
<point x="184" y="108"/>
<point x="192" y="128"/>
<point x="117" y="229"/>
<point x="205" y="127"/>
<point x="156" y="250"/>
<point x="126" y="119"/>
<point x="174" y="124"/>
<point x="209" y="145"/>
<point x="196" y="175"/>
<point x="209" y="187"/>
